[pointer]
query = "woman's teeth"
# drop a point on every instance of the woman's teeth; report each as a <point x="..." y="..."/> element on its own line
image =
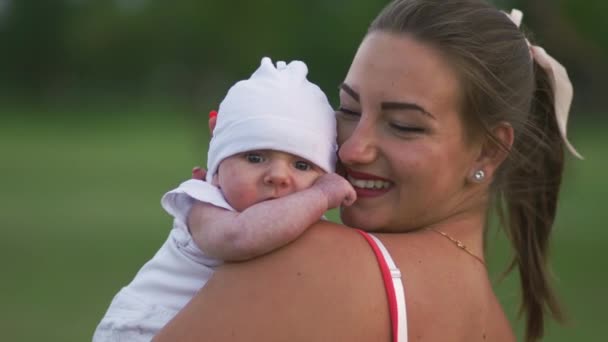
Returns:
<point x="368" y="184"/>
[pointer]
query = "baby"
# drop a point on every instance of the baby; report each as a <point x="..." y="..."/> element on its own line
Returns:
<point x="270" y="176"/>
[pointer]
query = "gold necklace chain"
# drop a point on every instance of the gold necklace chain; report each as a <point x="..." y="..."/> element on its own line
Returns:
<point x="458" y="243"/>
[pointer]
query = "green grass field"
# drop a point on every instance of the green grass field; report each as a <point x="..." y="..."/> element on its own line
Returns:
<point x="80" y="213"/>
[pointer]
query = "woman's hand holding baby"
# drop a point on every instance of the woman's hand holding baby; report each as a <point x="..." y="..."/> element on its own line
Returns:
<point x="336" y="189"/>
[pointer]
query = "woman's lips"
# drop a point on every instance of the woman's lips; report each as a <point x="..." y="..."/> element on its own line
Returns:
<point x="368" y="185"/>
<point x="365" y="176"/>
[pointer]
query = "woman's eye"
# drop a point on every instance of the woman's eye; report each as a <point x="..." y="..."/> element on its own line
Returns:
<point x="303" y="166"/>
<point x="254" y="158"/>
<point x="345" y="112"/>
<point x="407" y="129"/>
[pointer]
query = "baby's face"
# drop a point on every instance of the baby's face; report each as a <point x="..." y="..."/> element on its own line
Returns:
<point x="254" y="176"/>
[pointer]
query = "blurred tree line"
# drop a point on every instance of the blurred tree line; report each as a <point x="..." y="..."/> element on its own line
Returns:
<point x="191" y="51"/>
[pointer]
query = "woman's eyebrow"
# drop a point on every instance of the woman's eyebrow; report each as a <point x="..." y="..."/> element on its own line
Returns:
<point x="389" y="105"/>
<point x="349" y="91"/>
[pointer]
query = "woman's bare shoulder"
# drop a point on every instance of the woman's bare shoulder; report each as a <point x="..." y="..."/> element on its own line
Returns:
<point x="448" y="292"/>
<point x="326" y="285"/>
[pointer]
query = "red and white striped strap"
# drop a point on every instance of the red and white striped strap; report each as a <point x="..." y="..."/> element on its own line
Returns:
<point x="393" y="286"/>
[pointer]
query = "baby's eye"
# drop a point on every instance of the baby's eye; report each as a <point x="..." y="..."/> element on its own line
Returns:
<point x="303" y="165"/>
<point x="254" y="158"/>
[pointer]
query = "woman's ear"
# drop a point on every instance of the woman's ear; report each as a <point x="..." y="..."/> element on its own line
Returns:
<point x="494" y="150"/>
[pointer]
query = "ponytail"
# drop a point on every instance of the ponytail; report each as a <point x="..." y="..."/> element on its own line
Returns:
<point x="529" y="197"/>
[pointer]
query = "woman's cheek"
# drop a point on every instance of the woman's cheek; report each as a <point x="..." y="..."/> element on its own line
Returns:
<point x="344" y="130"/>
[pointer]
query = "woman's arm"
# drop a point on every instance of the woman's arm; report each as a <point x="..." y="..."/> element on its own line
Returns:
<point x="324" y="286"/>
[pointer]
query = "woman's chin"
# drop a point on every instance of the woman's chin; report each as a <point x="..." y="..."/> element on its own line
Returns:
<point x="358" y="219"/>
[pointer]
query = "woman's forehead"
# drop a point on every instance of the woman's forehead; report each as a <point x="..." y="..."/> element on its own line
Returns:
<point x="396" y="67"/>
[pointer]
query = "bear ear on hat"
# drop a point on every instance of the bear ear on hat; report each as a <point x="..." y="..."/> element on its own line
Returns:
<point x="295" y="70"/>
<point x="266" y="68"/>
<point x="281" y="65"/>
<point x="298" y="70"/>
<point x="266" y="60"/>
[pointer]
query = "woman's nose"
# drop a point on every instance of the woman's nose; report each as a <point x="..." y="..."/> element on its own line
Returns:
<point x="360" y="147"/>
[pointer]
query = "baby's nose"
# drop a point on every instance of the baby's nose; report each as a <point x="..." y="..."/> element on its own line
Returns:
<point x="278" y="175"/>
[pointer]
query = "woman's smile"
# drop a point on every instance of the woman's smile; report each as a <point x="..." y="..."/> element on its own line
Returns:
<point x="368" y="185"/>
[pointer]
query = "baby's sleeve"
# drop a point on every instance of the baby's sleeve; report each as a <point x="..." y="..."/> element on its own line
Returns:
<point x="179" y="201"/>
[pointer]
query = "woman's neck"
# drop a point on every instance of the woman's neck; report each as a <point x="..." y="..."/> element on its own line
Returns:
<point x="466" y="227"/>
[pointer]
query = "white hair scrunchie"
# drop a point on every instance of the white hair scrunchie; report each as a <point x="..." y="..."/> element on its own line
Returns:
<point x="559" y="80"/>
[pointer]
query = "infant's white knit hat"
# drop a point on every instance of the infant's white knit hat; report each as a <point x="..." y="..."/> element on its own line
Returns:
<point x="277" y="108"/>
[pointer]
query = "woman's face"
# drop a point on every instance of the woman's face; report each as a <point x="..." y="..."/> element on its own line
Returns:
<point x="401" y="136"/>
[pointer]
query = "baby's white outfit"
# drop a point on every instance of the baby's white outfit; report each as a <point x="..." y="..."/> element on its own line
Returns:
<point x="277" y="108"/>
<point x="167" y="282"/>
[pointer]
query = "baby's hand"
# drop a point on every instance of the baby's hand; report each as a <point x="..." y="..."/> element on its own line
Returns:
<point x="199" y="173"/>
<point x="336" y="189"/>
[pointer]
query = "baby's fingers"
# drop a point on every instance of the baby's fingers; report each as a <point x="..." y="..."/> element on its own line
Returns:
<point x="350" y="198"/>
<point x="198" y="173"/>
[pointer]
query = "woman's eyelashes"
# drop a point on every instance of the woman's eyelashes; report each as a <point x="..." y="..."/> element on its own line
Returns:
<point x="407" y="128"/>
<point x="397" y="126"/>
<point x="346" y="112"/>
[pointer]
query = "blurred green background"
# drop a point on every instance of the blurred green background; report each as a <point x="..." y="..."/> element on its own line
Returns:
<point x="103" y="108"/>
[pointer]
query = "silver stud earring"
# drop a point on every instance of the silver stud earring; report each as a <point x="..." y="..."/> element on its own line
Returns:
<point x="479" y="175"/>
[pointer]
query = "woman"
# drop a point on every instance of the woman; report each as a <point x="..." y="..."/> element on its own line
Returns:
<point x="445" y="114"/>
